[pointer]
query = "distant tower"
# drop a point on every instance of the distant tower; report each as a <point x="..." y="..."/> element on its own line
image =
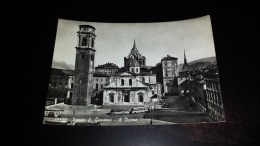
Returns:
<point x="84" y="65"/>
<point x="185" y="65"/>
<point x="170" y="72"/>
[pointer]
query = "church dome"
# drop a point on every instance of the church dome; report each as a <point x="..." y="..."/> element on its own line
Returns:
<point x="133" y="63"/>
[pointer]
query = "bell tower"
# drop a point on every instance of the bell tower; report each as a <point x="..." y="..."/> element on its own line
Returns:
<point x="84" y="65"/>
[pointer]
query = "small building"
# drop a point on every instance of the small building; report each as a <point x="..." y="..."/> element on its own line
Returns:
<point x="60" y="85"/>
<point x="100" y="80"/>
<point x="108" y="68"/>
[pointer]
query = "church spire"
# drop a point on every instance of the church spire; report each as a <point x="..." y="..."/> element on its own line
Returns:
<point x="185" y="65"/>
<point x="134" y="46"/>
<point x="185" y="60"/>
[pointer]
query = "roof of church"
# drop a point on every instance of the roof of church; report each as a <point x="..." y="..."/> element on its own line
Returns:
<point x="127" y="73"/>
<point x="133" y="63"/>
<point x="135" y="54"/>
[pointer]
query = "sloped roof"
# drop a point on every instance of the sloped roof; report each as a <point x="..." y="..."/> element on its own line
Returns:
<point x="101" y="75"/>
<point x="133" y="63"/>
<point x="135" y="54"/>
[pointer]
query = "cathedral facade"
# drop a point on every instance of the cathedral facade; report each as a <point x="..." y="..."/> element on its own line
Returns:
<point x="132" y="86"/>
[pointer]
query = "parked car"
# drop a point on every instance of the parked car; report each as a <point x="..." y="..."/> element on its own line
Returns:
<point x="139" y="110"/>
<point x="86" y="124"/>
<point x="165" y="105"/>
<point x="119" y="111"/>
<point x="52" y="112"/>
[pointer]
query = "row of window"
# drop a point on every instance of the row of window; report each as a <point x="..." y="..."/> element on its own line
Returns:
<point x="126" y="97"/>
<point x="123" y="82"/>
<point x="91" y="56"/>
<point x="133" y="70"/>
<point x="213" y="86"/>
<point x="101" y="80"/>
<point x="101" y="86"/>
<point x="214" y="98"/>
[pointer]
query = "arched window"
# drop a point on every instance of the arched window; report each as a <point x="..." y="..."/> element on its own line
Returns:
<point x="143" y="79"/>
<point x="122" y="82"/>
<point x="84" y="41"/>
<point x="132" y="70"/>
<point x="92" y="43"/>
<point x="82" y="56"/>
<point x="137" y="70"/>
<point x="97" y="87"/>
<point x="130" y="82"/>
<point x="111" y="97"/>
<point x="140" y="97"/>
<point x="92" y="56"/>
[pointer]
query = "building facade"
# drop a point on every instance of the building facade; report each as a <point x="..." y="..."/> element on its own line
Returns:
<point x="59" y="84"/>
<point x="214" y="96"/>
<point x="84" y="66"/>
<point x="170" y="72"/>
<point x="131" y="85"/>
<point x="129" y="88"/>
<point x="197" y="93"/>
<point x="100" y="80"/>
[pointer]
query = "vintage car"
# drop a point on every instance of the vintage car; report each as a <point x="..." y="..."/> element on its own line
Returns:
<point x="86" y="124"/>
<point x="165" y="105"/>
<point x="138" y="110"/>
<point x="119" y="111"/>
<point x="57" y="122"/>
<point x="53" y="112"/>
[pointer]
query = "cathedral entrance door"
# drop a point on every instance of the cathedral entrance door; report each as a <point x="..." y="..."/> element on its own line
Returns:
<point x="126" y="95"/>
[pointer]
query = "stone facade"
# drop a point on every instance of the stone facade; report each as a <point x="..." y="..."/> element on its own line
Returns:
<point x="197" y="92"/>
<point x="128" y="88"/>
<point x="84" y="66"/>
<point x="170" y="72"/>
<point x="100" y="80"/>
<point x="214" y="96"/>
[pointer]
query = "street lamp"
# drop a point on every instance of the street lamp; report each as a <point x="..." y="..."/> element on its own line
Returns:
<point x="151" y="122"/>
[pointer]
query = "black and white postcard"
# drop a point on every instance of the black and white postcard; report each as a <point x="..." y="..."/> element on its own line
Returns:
<point x="115" y="74"/>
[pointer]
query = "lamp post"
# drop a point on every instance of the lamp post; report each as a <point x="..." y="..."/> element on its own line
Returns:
<point x="151" y="122"/>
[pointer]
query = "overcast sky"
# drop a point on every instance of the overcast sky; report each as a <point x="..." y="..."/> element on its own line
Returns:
<point x="153" y="40"/>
